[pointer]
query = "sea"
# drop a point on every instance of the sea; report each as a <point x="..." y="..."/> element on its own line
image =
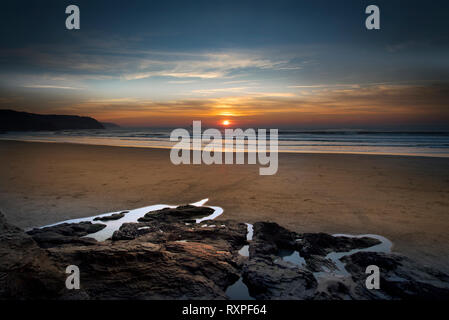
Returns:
<point x="411" y="143"/>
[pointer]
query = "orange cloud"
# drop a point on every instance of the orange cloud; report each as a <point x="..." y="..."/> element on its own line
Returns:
<point x="381" y="104"/>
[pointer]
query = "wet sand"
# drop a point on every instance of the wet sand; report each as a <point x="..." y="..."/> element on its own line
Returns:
<point x="405" y="199"/>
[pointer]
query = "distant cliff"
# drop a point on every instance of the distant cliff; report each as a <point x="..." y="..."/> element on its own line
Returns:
<point x="23" y="121"/>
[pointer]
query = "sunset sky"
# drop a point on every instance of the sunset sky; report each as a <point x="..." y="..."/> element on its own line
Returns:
<point x="309" y="64"/>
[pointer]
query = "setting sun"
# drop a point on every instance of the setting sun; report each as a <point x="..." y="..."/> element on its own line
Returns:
<point x="226" y="122"/>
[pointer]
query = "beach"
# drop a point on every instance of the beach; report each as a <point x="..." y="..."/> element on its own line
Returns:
<point x="405" y="199"/>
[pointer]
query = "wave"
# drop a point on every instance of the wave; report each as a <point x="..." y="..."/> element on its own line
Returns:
<point x="347" y="141"/>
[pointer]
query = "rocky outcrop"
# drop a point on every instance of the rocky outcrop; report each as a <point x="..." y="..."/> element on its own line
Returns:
<point x="228" y="234"/>
<point x="23" y="121"/>
<point x="270" y="238"/>
<point x="26" y="270"/>
<point x="320" y="244"/>
<point x="187" y="213"/>
<point x="114" y="216"/>
<point x="72" y="234"/>
<point x="268" y="280"/>
<point x="145" y="260"/>
<point x="401" y="278"/>
<point x="138" y="269"/>
<point x="268" y="276"/>
<point x="166" y="255"/>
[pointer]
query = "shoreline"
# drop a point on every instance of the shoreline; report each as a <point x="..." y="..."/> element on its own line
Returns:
<point x="280" y="151"/>
<point x="401" y="198"/>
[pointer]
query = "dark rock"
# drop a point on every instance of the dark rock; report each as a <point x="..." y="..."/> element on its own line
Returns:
<point x="231" y="233"/>
<point x="267" y="275"/>
<point x="400" y="277"/>
<point x="66" y="233"/>
<point x="317" y="263"/>
<point x="26" y="270"/>
<point x="70" y="229"/>
<point x="267" y="280"/>
<point x="51" y="239"/>
<point x="130" y="231"/>
<point x="165" y="256"/>
<point x="139" y="269"/>
<point x="334" y="288"/>
<point x="269" y="238"/>
<point x="114" y="216"/>
<point x="185" y="213"/>
<point x="23" y="121"/>
<point x="128" y="269"/>
<point x="321" y="244"/>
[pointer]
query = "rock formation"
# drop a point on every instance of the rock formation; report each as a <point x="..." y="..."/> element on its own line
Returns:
<point x="166" y="255"/>
<point x="23" y="121"/>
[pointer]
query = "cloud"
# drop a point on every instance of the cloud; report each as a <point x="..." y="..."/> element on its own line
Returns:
<point x="381" y="104"/>
<point x="116" y="60"/>
<point x="181" y="81"/>
<point x="202" y="65"/>
<point x="49" y="86"/>
<point x="144" y="75"/>
<point x="219" y="90"/>
<point x="325" y="86"/>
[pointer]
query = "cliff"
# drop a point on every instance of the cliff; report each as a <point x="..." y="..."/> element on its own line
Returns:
<point x="23" y="121"/>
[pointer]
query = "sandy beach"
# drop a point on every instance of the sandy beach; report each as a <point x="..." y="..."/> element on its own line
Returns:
<point x="402" y="198"/>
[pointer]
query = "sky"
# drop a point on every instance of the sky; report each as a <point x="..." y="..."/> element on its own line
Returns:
<point x="299" y="64"/>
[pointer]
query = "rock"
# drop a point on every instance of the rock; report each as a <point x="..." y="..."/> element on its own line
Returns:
<point x="146" y="267"/>
<point x="11" y="120"/>
<point x="233" y="234"/>
<point x="318" y="263"/>
<point x="320" y="244"/>
<point x="269" y="238"/>
<point x="66" y="233"/>
<point x="334" y="288"/>
<point x="269" y="277"/>
<point x="267" y="280"/>
<point x="400" y="277"/>
<point x="114" y="216"/>
<point x="166" y="256"/>
<point x="138" y="269"/>
<point x="26" y="270"/>
<point x="70" y="229"/>
<point x="185" y="213"/>
<point x="130" y="231"/>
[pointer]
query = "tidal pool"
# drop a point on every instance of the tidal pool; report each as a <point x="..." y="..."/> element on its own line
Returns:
<point x="249" y="236"/>
<point x="238" y="291"/>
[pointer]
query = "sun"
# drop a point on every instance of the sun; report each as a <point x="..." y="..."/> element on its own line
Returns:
<point x="226" y="122"/>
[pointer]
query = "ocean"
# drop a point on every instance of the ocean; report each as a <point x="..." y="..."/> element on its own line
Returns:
<point x="413" y="143"/>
